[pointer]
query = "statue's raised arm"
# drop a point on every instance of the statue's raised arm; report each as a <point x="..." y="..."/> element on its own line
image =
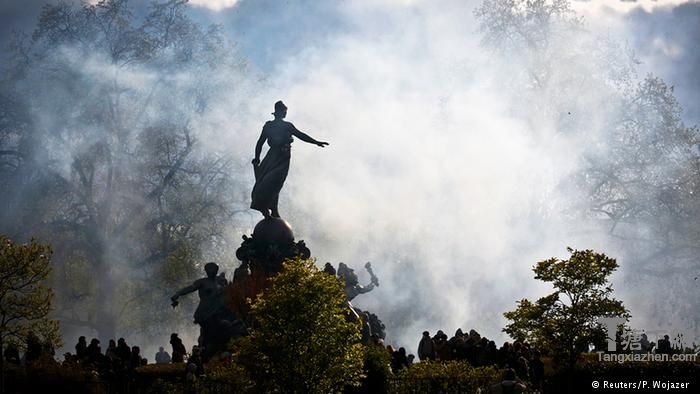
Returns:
<point x="351" y="281"/>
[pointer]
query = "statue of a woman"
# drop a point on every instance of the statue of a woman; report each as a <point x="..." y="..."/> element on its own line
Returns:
<point x="271" y="173"/>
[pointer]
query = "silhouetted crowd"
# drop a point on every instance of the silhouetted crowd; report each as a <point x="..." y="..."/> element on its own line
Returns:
<point x="116" y="364"/>
<point x="35" y="349"/>
<point x="520" y="362"/>
<point x="118" y="356"/>
<point x="120" y="359"/>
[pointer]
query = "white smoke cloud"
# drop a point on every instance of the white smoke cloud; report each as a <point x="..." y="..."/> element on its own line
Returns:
<point x="428" y="173"/>
<point x="599" y="7"/>
<point x="214" y="5"/>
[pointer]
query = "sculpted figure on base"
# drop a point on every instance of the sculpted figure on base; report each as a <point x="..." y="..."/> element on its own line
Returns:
<point x="218" y="324"/>
<point x="371" y="325"/>
<point x="271" y="173"/>
<point x="352" y="282"/>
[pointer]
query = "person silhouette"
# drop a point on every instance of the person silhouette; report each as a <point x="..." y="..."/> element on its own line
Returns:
<point x="271" y="173"/>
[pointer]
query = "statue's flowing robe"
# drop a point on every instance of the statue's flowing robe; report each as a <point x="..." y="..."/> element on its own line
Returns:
<point x="272" y="171"/>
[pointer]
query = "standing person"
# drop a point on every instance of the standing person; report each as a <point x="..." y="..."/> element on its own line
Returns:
<point x="537" y="371"/>
<point x="81" y="348"/>
<point x="399" y="360"/>
<point x="94" y="351"/>
<point x="426" y="347"/>
<point x="442" y="349"/>
<point x="664" y="346"/>
<point x="123" y="351"/>
<point x="135" y="359"/>
<point x="179" y="350"/>
<point x="196" y="359"/>
<point x="271" y="173"/>
<point x="162" y="357"/>
<point x="111" y="352"/>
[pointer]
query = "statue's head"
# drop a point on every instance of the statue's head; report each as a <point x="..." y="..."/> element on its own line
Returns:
<point x="329" y="269"/>
<point x="280" y="110"/>
<point x="347" y="274"/>
<point x="211" y="269"/>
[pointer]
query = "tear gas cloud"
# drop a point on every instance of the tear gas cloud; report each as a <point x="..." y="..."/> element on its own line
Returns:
<point x="431" y="173"/>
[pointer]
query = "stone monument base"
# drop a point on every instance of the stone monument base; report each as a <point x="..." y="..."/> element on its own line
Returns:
<point x="261" y="255"/>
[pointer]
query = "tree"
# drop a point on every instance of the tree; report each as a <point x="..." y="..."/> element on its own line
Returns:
<point x="302" y="341"/>
<point x="25" y="301"/>
<point x="560" y="75"/>
<point x="643" y="186"/>
<point x="638" y="168"/>
<point x="101" y="153"/>
<point x="566" y="321"/>
<point x="514" y="25"/>
<point x="646" y="179"/>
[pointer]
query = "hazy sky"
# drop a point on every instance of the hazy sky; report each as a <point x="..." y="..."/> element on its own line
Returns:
<point x="665" y="32"/>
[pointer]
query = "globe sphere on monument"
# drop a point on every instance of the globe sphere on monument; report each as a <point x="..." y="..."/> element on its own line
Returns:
<point x="273" y="231"/>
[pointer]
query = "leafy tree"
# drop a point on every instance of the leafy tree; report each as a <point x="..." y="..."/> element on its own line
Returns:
<point x="25" y="301"/>
<point x="566" y="321"/>
<point x="645" y="183"/>
<point x="524" y="24"/>
<point x="643" y="186"/>
<point x="638" y="170"/>
<point x="301" y="341"/>
<point x="560" y="74"/>
<point x="101" y="153"/>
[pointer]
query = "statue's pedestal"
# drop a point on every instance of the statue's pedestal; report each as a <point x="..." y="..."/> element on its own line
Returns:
<point x="261" y="257"/>
<point x="273" y="231"/>
<point x="246" y="285"/>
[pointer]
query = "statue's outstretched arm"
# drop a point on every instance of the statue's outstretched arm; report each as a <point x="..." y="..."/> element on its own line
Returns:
<point x="185" y="290"/>
<point x="307" y="138"/>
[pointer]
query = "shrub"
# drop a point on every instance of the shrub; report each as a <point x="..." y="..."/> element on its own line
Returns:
<point x="444" y="377"/>
<point x="301" y="340"/>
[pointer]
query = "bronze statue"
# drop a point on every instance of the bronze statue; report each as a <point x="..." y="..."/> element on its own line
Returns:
<point x="352" y="282"/>
<point x="271" y="173"/>
<point x="371" y="325"/>
<point x="210" y="290"/>
<point x="218" y="324"/>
